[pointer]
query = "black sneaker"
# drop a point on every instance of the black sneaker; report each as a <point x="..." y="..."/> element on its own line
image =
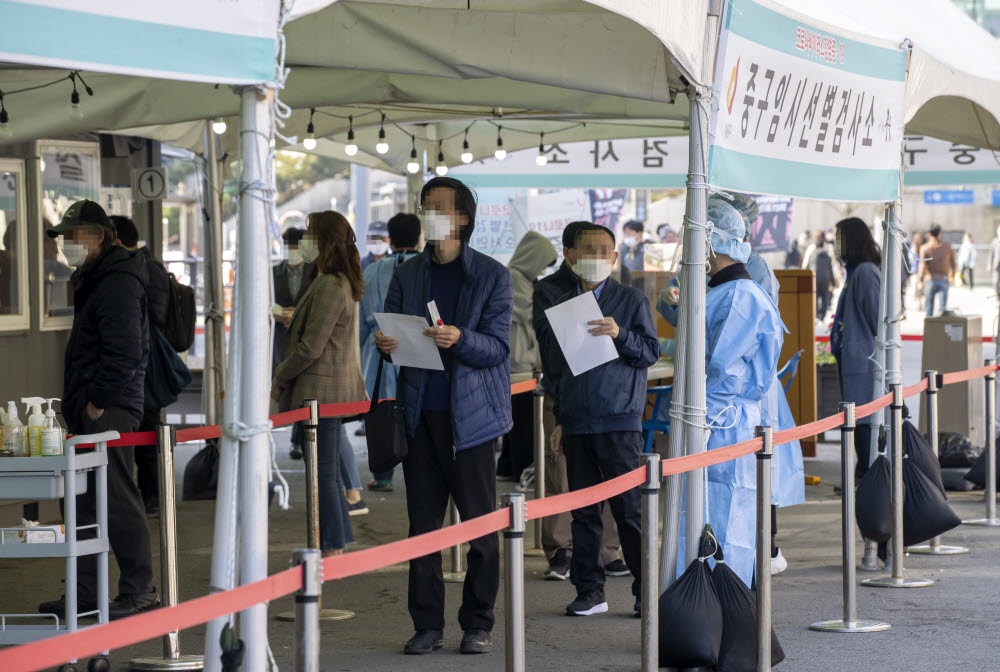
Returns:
<point x="358" y="508"/>
<point x="131" y="604"/>
<point x="559" y="566"/>
<point x="295" y="453"/>
<point x="617" y="568"/>
<point x="588" y="604"/>
<point x="476" y="641"/>
<point x="637" y="609"/>
<point x="58" y="607"/>
<point x="424" y="641"/>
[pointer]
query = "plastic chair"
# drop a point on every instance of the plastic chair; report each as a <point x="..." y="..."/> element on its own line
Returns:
<point x="790" y="368"/>
<point x="664" y="394"/>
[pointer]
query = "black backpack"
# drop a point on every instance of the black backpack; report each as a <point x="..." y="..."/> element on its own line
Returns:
<point x="181" y="315"/>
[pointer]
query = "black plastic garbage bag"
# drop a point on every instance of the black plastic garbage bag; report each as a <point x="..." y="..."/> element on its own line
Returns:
<point x="926" y="513"/>
<point x="739" y="623"/>
<point x="916" y="449"/>
<point x="690" y="614"/>
<point x="201" y="475"/>
<point x="977" y="475"/>
<point x="954" y="480"/>
<point x="954" y="450"/>
<point x="873" y="502"/>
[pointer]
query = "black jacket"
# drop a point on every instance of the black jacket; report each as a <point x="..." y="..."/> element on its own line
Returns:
<point x="157" y="289"/>
<point x="109" y="346"/>
<point x="549" y="291"/>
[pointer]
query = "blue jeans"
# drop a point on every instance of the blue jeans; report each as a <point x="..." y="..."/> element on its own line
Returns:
<point x="933" y="288"/>
<point x="348" y="466"/>
<point x="334" y="521"/>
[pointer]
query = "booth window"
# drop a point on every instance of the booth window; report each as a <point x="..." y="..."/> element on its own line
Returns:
<point x="70" y="171"/>
<point x="13" y="248"/>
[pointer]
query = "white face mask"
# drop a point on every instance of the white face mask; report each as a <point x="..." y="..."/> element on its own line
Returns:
<point x="630" y="241"/>
<point x="594" y="271"/>
<point x="294" y="256"/>
<point x="308" y="249"/>
<point x="75" y="253"/>
<point x="379" y="248"/>
<point x="437" y="226"/>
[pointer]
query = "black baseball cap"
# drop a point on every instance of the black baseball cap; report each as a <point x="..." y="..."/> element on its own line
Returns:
<point x="82" y="213"/>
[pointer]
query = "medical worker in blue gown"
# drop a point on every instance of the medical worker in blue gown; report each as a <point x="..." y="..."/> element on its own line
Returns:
<point x="743" y="340"/>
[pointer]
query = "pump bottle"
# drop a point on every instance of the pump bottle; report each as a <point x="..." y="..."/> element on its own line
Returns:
<point x="36" y="422"/>
<point x="13" y="433"/>
<point x="52" y="435"/>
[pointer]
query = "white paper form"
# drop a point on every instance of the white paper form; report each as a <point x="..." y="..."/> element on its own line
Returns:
<point x="414" y="349"/>
<point x="583" y="351"/>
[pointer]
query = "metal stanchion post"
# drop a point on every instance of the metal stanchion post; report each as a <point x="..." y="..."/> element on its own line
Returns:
<point x="457" y="573"/>
<point x="307" y="609"/>
<point x="539" y="439"/>
<point x="991" y="519"/>
<point x="650" y="493"/>
<point x="172" y="658"/>
<point x="764" y="549"/>
<point x="897" y="580"/>
<point x="310" y="458"/>
<point x="513" y="576"/>
<point x="934" y="547"/>
<point x="850" y="622"/>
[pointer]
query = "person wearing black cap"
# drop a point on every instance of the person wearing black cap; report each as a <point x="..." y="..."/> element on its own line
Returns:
<point x="599" y="416"/>
<point x="103" y="385"/>
<point x="378" y="243"/>
<point x="557" y="540"/>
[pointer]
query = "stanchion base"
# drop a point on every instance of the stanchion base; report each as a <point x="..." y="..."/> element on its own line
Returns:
<point x="179" y="663"/>
<point x="324" y="615"/>
<point x="937" y="550"/>
<point x="983" y="522"/>
<point x="454" y="577"/>
<point x="851" y="626"/>
<point x="534" y="552"/>
<point x="897" y="582"/>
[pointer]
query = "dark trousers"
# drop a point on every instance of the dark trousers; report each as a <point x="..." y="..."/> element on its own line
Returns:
<point x="518" y="450"/>
<point x="433" y="471"/>
<point x="593" y="459"/>
<point x="823" y="300"/>
<point x="127" y="528"/>
<point x="147" y="465"/>
<point x="967" y="277"/>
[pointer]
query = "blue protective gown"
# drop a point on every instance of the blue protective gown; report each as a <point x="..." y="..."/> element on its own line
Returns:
<point x="743" y="340"/>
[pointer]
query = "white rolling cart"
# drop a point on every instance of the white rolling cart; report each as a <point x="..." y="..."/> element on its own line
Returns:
<point x="62" y="477"/>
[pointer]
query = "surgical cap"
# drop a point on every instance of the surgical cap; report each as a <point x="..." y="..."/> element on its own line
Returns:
<point x="728" y="230"/>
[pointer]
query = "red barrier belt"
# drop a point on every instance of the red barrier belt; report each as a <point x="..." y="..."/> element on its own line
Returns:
<point x="526" y="386"/>
<point x="906" y="337"/>
<point x="962" y="376"/>
<point x="812" y="429"/>
<point x="549" y="506"/>
<point x="342" y="410"/>
<point x="873" y="407"/>
<point x="139" y="628"/>
<point x="370" y="559"/>
<point x="914" y="390"/>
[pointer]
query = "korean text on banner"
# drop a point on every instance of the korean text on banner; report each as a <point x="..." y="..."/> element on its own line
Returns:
<point x="798" y="111"/>
<point x="230" y="42"/>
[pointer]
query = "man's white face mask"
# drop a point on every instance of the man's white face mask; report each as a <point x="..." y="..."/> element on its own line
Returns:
<point x="594" y="271"/>
<point x="437" y="225"/>
<point x="294" y="256"/>
<point x="75" y="253"/>
<point x="378" y="248"/>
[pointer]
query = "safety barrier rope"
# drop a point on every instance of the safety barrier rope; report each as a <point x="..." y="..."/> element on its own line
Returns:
<point x="141" y="627"/>
<point x="908" y="337"/>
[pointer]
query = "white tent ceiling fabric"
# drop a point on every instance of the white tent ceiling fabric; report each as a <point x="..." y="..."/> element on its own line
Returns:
<point x="427" y="62"/>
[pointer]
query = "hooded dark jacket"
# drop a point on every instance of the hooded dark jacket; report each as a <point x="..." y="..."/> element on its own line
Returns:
<point x="109" y="345"/>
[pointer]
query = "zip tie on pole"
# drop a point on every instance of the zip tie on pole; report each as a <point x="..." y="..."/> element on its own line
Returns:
<point x="284" y="491"/>
<point x="242" y="432"/>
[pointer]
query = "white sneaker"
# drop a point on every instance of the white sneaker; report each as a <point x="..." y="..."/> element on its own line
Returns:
<point x="778" y="563"/>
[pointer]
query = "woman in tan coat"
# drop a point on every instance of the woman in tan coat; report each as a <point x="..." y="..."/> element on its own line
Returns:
<point x="320" y="359"/>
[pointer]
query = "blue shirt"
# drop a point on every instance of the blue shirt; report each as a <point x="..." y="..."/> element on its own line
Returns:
<point x="446" y="281"/>
<point x="597" y="290"/>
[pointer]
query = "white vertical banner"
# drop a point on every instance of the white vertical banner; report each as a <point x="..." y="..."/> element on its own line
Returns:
<point x="800" y="111"/>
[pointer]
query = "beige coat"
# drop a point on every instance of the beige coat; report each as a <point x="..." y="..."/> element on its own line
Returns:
<point x="321" y="360"/>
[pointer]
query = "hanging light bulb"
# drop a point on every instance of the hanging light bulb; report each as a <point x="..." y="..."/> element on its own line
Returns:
<point x="219" y="126"/>
<point x="501" y="153"/>
<point x="5" y="129"/>
<point x="441" y="169"/>
<point x="75" y="112"/>
<point x="413" y="166"/>
<point x="382" y="147"/>
<point x="310" y="141"/>
<point x="541" y="159"/>
<point x="466" y="154"/>
<point x="351" y="149"/>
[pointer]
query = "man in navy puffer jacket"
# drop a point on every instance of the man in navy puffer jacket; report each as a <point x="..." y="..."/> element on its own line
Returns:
<point x="454" y="416"/>
<point x="599" y="416"/>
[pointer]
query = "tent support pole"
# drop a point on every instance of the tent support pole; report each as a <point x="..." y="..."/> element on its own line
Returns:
<point x="214" y="374"/>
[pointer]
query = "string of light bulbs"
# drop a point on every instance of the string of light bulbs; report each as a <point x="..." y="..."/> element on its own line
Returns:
<point x="75" y="111"/>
